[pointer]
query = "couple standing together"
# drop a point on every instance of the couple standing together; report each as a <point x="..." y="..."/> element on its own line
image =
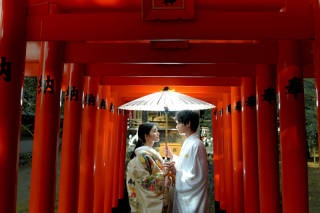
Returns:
<point x="149" y="188"/>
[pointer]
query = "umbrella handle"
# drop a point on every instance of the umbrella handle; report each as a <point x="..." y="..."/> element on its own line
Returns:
<point x="166" y="130"/>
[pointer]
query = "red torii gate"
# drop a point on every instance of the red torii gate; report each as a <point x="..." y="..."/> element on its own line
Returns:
<point x="224" y="57"/>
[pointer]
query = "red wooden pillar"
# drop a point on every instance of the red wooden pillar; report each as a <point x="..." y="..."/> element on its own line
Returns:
<point x="268" y="154"/>
<point x="117" y="154"/>
<point x="123" y="154"/>
<point x="70" y="156"/>
<point x="227" y="143"/>
<point x="316" y="57"/>
<point x="222" y="181"/>
<point x="89" y="128"/>
<point x="250" y="149"/>
<point x="215" y="153"/>
<point x="294" y="168"/>
<point x="237" y="150"/>
<point x="13" y="51"/>
<point x="110" y="154"/>
<point x="100" y="143"/>
<point x="47" y="128"/>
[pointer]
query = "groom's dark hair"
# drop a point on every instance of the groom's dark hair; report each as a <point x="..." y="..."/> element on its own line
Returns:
<point x="185" y="116"/>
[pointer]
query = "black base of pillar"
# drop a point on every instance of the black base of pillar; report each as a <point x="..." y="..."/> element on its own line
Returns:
<point x="123" y="204"/>
<point x="217" y="206"/>
<point x="116" y="210"/>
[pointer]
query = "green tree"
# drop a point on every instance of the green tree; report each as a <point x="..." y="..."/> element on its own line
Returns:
<point x="29" y="104"/>
<point x="206" y="120"/>
<point x="29" y="95"/>
<point x="311" y="112"/>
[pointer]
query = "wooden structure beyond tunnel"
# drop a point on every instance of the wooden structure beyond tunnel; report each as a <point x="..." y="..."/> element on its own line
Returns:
<point x="234" y="54"/>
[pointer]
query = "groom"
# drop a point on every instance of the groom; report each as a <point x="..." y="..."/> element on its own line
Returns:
<point x="190" y="167"/>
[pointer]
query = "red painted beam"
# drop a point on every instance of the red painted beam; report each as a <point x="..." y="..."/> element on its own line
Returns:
<point x="307" y="52"/>
<point x="212" y="100"/>
<point x="308" y="71"/>
<point x="33" y="51"/>
<point x="33" y="55"/>
<point x="207" y="25"/>
<point x="197" y="53"/>
<point x="180" y="89"/>
<point x="31" y="69"/>
<point x="177" y="81"/>
<point x="220" y="70"/>
<point x="205" y="70"/>
<point x="209" y="100"/>
<point x="76" y="6"/>
<point x="197" y="95"/>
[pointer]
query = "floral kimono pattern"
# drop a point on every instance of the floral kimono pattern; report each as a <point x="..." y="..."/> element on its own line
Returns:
<point x="145" y="182"/>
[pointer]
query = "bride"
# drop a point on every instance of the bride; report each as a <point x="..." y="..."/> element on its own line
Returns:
<point x="147" y="182"/>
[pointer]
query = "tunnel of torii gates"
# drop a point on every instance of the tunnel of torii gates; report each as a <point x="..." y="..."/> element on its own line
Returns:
<point x="234" y="54"/>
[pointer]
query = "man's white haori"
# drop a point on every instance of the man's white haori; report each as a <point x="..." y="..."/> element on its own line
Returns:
<point x="191" y="177"/>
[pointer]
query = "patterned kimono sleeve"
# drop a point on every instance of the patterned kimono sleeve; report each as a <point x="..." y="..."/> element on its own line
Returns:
<point x="149" y="177"/>
<point x="131" y="191"/>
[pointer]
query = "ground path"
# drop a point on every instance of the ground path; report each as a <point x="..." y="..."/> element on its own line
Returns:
<point x="24" y="181"/>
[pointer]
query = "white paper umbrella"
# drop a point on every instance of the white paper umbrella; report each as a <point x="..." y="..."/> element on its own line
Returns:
<point x="166" y="100"/>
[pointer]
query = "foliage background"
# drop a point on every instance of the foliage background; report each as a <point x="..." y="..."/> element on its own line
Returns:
<point x="311" y="113"/>
<point x="206" y="119"/>
<point x="29" y="106"/>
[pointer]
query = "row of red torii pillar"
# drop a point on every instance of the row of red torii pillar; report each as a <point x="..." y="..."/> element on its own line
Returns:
<point x="252" y="170"/>
<point x="91" y="178"/>
<point x="245" y="135"/>
<point x="245" y="140"/>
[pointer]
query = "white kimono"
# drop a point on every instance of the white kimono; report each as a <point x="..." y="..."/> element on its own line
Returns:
<point x="191" y="178"/>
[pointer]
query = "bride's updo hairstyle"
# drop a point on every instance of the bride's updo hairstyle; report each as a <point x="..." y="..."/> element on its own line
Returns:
<point x="144" y="129"/>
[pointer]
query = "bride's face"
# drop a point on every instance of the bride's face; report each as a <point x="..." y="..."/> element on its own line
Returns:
<point x="154" y="134"/>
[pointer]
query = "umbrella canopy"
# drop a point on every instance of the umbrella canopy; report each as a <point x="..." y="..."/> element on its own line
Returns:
<point x="166" y="100"/>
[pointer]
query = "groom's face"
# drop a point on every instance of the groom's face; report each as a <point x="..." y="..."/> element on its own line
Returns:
<point x="182" y="129"/>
